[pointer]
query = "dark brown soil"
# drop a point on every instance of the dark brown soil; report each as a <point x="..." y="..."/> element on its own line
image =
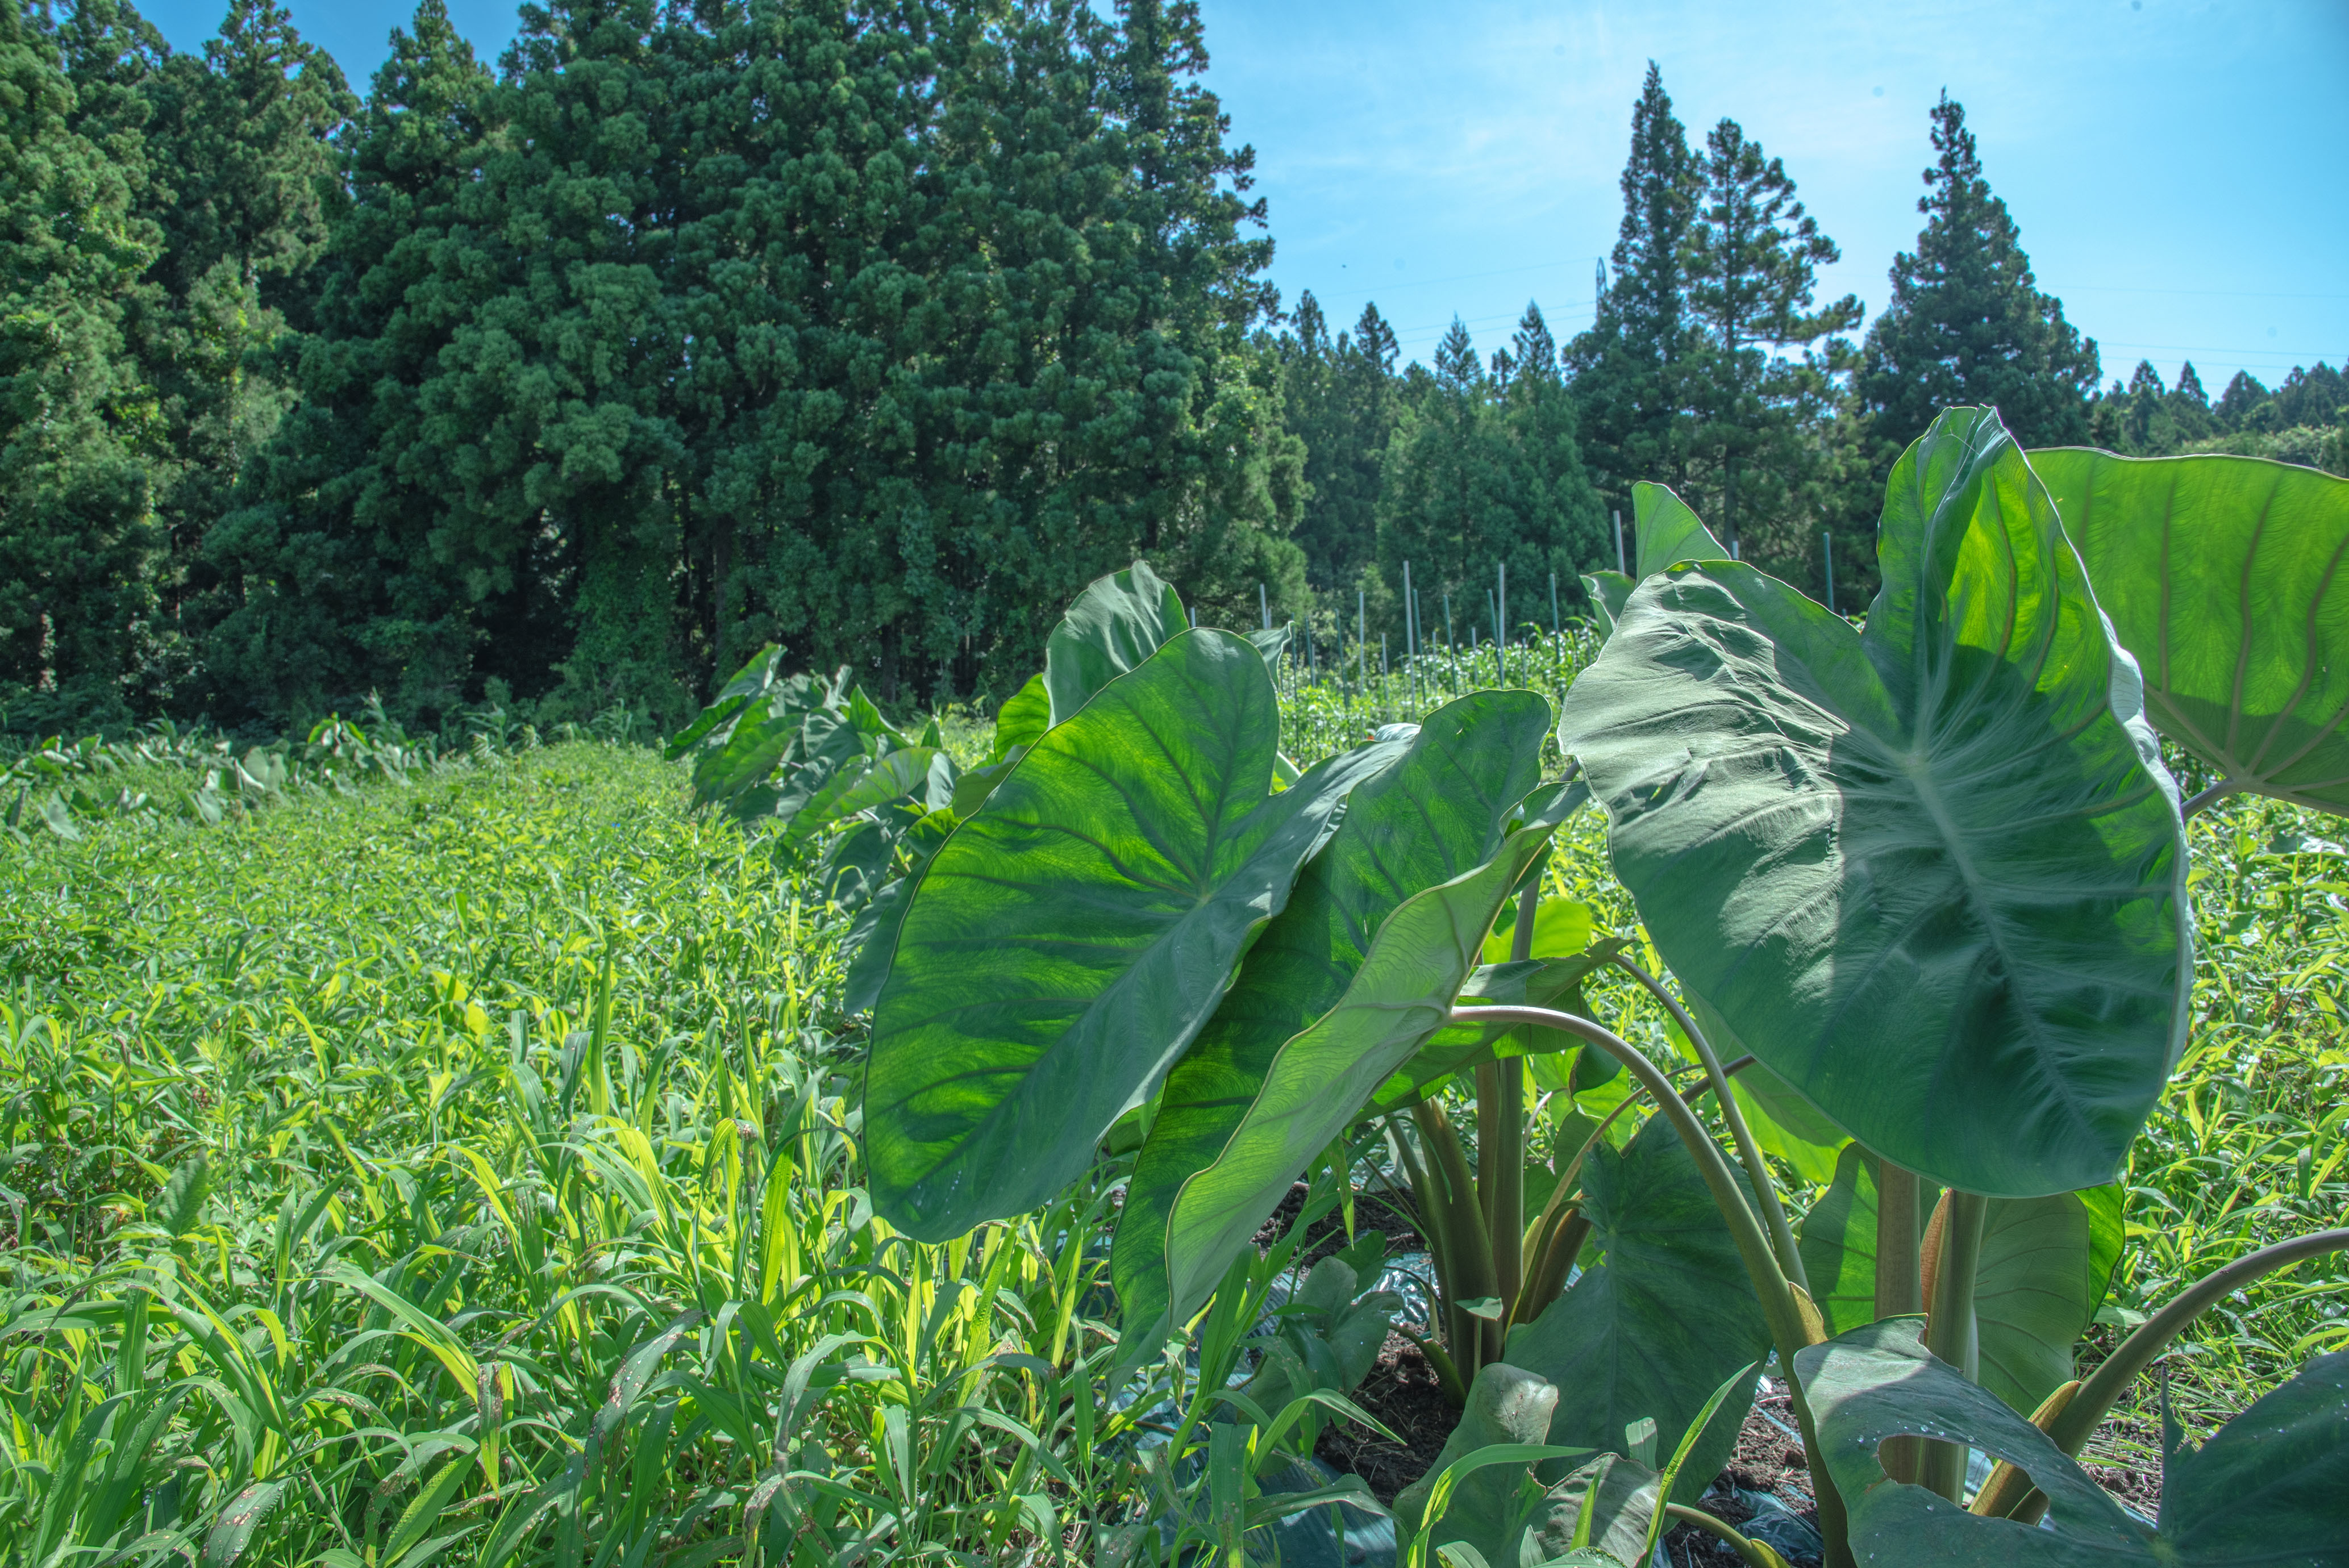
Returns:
<point x="1373" y="1212"/>
<point x="1402" y="1392"/>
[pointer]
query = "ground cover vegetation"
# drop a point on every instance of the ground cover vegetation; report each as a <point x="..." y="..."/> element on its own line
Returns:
<point x="573" y="378"/>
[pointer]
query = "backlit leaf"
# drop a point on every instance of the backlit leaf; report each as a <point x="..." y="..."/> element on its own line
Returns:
<point x="1116" y="624"/>
<point x="2228" y="578"/>
<point x="1069" y="941"/>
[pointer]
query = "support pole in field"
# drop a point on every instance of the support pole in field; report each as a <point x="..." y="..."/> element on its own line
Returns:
<point x="1554" y="628"/>
<point x="1362" y="645"/>
<point x="1264" y="606"/>
<point x="1827" y="564"/>
<point x="1621" y="564"/>
<point x="1195" y="618"/>
<point x="1493" y="614"/>
<point x="1501" y="629"/>
<point x="1450" y="645"/>
<point x="1410" y="634"/>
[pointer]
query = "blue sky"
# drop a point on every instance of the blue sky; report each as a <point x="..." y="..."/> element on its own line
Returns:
<point x="2178" y="166"/>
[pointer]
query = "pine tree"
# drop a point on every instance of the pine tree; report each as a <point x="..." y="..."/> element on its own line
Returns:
<point x="1342" y="403"/>
<point x="1534" y="350"/>
<point x="1628" y="370"/>
<point x="1966" y="322"/>
<point x="337" y="560"/>
<point x="245" y="186"/>
<point x="1479" y="474"/>
<point x="2235" y="407"/>
<point x="2189" y="408"/>
<point x="77" y="544"/>
<point x="1752" y="267"/>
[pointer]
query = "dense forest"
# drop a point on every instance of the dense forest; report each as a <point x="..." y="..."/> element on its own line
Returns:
<point x="876" y="330"/>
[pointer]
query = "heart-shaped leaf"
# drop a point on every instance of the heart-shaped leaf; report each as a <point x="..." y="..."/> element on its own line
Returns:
<point x="1932" y="873"/>
<point x="2225" y="576"/>
<point x="1067" y="941"/>
<point x="1438" y="807"/>
<point x="1667" y="1314"/>
<point x="2045" y="1265"/>
<point x="1116" y="624"/>
<point x="2267" y="1489"/>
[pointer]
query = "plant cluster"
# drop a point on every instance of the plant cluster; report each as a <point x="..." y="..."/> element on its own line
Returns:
<point x="1922" y="893"/>
<point x="200" y="777"/>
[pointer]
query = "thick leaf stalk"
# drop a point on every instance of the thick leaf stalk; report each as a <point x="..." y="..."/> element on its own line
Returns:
<point x="1787" y="1330"/>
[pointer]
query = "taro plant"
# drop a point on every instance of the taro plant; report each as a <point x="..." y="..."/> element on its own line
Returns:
<point x="1920" y="892"/>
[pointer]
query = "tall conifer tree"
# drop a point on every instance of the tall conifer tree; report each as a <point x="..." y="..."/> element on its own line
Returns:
<point x="77" y="544"/>
<point x="1966" y="322"/>
<point x="1340" y="401"/>
<point x="1479" y="474"/>
<point x="1752" y="263"/>
<point x="246" y="186"/>
<point x="346" y="564"/>
<point x="1629" y="370"/>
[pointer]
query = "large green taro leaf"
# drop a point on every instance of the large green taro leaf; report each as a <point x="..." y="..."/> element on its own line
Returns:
<point x="751" y="680"/>
<point x="756" y="733"/>
<point x="1321" y="1078"/>
<point x="1660" y="1320"/>
<point x="2045" y="1265"/>
<point x="1668" y="531"/>
<point x="2225" y="577"/>
<point x="1116" y="624"/>
<point x="2267" y="1489"/>
<point x="1440" y="807"/>
<point x="1932" y="873"/>
<point x="1066" y="943"/>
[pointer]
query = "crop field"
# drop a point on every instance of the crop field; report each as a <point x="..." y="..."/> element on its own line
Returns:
<point x="466" y="1169"/>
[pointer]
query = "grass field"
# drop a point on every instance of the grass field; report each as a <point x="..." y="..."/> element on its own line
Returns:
<point x="465" y="1170"/>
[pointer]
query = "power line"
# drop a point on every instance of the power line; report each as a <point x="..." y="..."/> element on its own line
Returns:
<point x="2198" y="293"/>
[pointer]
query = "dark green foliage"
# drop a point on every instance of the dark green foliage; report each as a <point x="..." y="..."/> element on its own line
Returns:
<point x="244" y="184"/>
<point x="1966" y="323"/>
<point x="1483" y="471"/>
<point x="2303" y="421"/>
<point x="78" y="537"/>
<point x="1752" y="260"/>
<point x="1629" y="369"/>
<point x="1342" y="400"/>
<point x="865" y="333"/>
<point x="341" y="574"/>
